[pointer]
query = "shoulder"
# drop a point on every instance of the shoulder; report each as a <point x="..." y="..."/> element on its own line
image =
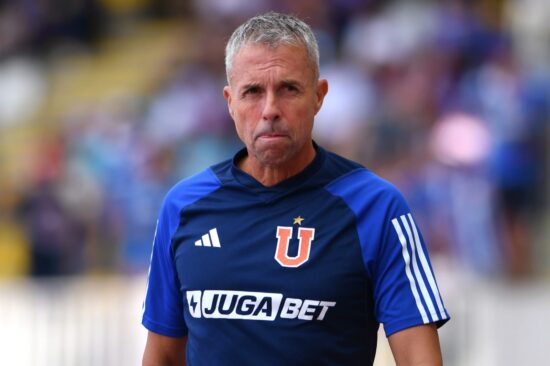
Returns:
<point x="338" y="165"/>
<point x="191" y="189"/>
<point x="357" y="185"/>
<point x="183" y="194"/>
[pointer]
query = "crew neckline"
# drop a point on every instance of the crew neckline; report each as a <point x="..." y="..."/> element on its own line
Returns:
<point x="285" y="185"/>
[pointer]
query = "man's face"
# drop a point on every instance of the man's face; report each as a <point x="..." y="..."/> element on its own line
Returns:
<point x="273" y="96"/>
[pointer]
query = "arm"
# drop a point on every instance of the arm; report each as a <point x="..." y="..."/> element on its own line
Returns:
<point x="418" y="346"/>
<point x="164" y="351"/>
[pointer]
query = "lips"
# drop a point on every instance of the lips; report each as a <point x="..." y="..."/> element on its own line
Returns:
<point x="272" y="135"/>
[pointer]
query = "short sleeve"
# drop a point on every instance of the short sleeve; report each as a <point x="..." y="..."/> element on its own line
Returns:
<point x="396" y="260"/>
<point x="163" y="305"/>
<point x="405" y="290"/>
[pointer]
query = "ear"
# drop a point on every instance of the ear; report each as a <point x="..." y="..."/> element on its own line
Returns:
<point x="227" y="96"/>
<point x="320" y="92"/>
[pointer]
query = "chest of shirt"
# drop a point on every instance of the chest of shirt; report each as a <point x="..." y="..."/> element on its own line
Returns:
<point x="305" y="246"/>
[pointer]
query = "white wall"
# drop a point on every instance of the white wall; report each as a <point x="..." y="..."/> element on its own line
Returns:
<point x="96" y="321"/>
<point x="68" y="322"/>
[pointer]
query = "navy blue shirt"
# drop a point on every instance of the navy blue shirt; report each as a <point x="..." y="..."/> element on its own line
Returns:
<point x="300" y="273"/>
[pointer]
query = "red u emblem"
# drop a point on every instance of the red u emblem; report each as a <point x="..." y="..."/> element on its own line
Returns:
<point x="305" y="237"/>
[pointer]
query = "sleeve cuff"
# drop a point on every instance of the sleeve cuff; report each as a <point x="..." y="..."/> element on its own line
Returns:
<point x="394" y="327"/>
<point x="163" y="329"/>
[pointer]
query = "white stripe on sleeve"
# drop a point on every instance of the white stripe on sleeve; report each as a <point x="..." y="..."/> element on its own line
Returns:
<point x="407" y="259"/>
<point x="427" y="270"/>
<point x="418" y="275"/>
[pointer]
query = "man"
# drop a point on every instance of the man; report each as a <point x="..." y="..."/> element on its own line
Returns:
<point x="287" y="254"/>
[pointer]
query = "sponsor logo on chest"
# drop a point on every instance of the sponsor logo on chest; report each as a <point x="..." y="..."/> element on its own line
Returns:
<point x="225" y="304"/>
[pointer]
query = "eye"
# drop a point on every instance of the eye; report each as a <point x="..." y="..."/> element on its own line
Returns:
<point x="253" y="90"/>
<point x="290" y="88"/>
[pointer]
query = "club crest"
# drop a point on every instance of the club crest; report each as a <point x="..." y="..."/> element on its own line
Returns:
<point x="284" y="235"/>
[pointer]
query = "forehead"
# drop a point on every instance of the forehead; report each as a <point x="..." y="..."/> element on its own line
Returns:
<point x="260" y="61"/>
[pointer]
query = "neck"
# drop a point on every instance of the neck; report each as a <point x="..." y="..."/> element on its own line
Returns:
<point x="272" y="174"/>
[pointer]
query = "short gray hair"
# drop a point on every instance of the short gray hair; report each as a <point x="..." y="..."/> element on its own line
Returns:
<point x="273" y="29"/>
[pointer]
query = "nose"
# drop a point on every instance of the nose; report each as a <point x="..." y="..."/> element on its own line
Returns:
<point x="271" y="111"/>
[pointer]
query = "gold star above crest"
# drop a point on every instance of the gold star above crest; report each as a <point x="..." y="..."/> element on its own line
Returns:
<point x="298" y="220"/>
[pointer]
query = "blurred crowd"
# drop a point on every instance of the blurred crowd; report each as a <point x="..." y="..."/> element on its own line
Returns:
<point x="450" y="100"/>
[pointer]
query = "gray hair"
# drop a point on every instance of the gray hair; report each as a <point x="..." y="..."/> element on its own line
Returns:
<point x="273" y="29"/>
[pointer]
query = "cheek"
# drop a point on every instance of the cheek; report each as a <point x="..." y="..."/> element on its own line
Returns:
<point x="306" y="116"/>
<point x="239" y="127"/>
<point x="244" y="125"/>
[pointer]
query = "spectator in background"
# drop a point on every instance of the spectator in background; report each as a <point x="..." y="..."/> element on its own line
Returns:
<point x="56" y="239"/>
<point x="515" y="109"/>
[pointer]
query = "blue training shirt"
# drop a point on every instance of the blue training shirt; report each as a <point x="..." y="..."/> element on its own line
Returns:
<point x="300" y="273"/>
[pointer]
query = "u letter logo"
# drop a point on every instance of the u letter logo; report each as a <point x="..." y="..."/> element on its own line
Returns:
<point x="305" y="237"/>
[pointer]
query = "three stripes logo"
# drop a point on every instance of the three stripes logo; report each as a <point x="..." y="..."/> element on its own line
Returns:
<point x="210" y="239"/>
<point x="415" y="258"/>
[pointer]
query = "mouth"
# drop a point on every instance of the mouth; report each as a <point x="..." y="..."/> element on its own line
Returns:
<point x="270" y="136"/>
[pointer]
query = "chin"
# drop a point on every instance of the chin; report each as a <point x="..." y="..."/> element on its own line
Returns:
<point x="274" y="156"/>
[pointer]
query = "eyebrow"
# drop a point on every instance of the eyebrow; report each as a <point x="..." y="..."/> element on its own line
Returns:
<point x="286" y="82"/>
<point x="291" y="82"/>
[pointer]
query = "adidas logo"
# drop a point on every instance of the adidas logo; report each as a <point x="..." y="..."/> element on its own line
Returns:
<point x="211" y="239"/>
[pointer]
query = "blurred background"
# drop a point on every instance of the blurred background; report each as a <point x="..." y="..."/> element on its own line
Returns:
<point x="105" y="104"/>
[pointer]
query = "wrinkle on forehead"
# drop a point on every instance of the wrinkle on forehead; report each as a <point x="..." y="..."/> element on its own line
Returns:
<point x="261" y="58"/>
